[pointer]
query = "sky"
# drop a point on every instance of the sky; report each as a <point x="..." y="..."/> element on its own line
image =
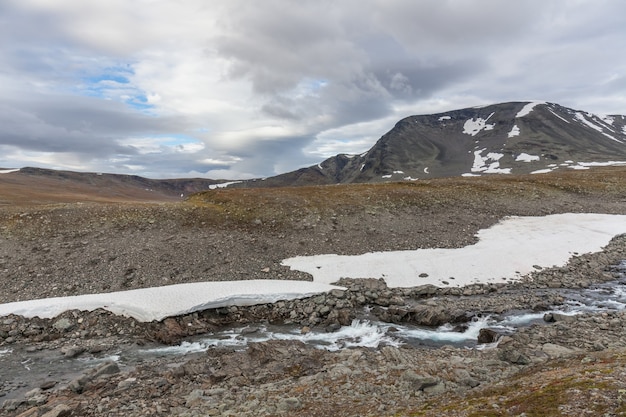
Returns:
<point x="234" y="89"/>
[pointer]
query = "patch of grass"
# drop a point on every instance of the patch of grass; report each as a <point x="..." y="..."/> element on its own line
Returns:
<point x="555" y="388"/>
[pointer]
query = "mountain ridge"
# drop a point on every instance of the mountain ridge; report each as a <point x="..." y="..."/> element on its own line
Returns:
<point x="507" y="138"/>
<point x="519" y="137"/>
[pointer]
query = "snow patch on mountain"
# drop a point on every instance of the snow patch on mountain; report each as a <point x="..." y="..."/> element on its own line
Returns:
<point x="473" y="126"/>
<point x="608" y="119"/>
<point x="223" y="184"/>
<point x="514" y="131"/>
<point x="524" y="157"/>
<point x="489" y="164"/>
<point x="565" y="120"/>
<point x="528" y="108"/>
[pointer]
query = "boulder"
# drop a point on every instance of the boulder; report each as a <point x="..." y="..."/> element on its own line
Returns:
<point x="487" y="336"/>
<point x="558" y="351"/>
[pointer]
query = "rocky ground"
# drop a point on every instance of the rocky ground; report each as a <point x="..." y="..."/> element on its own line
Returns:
<point x="565" y="367"/>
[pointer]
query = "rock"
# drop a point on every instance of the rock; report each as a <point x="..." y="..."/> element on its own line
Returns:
<point x="333" y="327"/>
<point x="431" y="316"/>
<point x="419" y="382"/>
<point x="108" y="368"/>
<point x="46" y="385"/>
<point x="79" y="384"/>
<point x="171" y="333"/>
<point x="62" y="324"/>
<point x="558" y="317"/>
<point x="513" y="356"/>
<point x="558" y="351"/>
<point x="195" y="397"/>
<point x="72" y="351"/>
<point x="61" y="410"/>
<point x="31" y="412"/>
<point x="438" y="388"/>
<point x="127" y="383"/>
<point x="337" y="293"/>
<point x="12" y="404"/>
<point x="289" y="404"/>
<point x="487" y="336"/>
<point x="425" y="290"/>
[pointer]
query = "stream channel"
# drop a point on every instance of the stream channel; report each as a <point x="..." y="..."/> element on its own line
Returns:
<point x="22" y="369"/>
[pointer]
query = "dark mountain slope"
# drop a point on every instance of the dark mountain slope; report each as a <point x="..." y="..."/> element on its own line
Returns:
<point x="506" y="138"/>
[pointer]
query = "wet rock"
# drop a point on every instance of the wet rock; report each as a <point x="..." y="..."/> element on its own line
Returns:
<point x="487" y="336"/>
<point x="72" y="351"/>
<point x="79" y="384"/>
<point x="558" y="317"/>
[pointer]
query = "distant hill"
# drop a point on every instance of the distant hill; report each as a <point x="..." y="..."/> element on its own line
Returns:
<point x="506" y="138"/>
<point x="36" y="185"/>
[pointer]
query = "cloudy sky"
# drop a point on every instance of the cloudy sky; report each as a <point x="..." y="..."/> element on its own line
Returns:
<point x="244" y="88"/>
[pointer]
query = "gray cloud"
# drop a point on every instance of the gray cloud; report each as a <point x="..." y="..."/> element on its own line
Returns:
<point x="250" y="88"/>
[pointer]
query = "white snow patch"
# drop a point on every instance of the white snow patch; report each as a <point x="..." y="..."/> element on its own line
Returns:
<point x="481" y="163"/>
<point x="469" y="174"/>
<point x="608" y="119"/>
<point x="612" y="137"/>
<point x="409" y="178"/>
<point x="584" y="120"/>
<point x="362" y="166"/>
<point x="442" y="118"/>
<point x="514" y="131"/>
<point x="508" y="250"/>
<point x="320" y="167"/>
<point x="223" y="184"/>
<point x="524" y="157"/>
<point x="398" y="172"/>
<point x="542" y="171"/>
<point x="565" y="120"/>
<point x="386" y="176"/>
<point x="472" y="127"/>
<point x="602" y="164"/>
<point x="426" y="171"/>
<point x="580" y="167"/>
<point x="8" y="171"/>
<point x="528" y="108"/>
<point x="157" y="303"/>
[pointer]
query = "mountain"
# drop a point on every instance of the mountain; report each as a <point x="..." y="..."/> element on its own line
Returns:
<point x="506" y="138"/>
